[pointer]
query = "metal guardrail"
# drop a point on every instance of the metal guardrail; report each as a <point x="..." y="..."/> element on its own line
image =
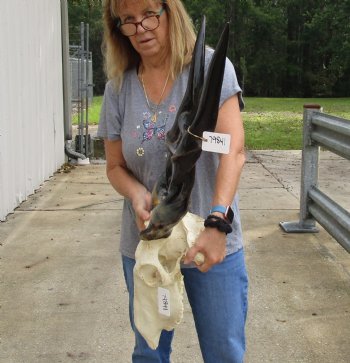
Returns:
<point x="333" y="134"/>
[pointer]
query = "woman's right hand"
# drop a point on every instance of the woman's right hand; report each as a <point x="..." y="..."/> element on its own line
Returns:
<point x="142" y="204"/>
<point x="125" y="183"/>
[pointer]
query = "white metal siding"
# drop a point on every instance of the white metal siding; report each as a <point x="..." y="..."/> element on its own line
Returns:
<point x="31" y="101"/>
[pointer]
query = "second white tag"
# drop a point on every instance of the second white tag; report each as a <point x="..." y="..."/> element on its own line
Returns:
<point x="163" y="301"/>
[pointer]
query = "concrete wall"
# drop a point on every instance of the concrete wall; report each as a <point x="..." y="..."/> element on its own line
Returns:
<point x="31" y="101"/>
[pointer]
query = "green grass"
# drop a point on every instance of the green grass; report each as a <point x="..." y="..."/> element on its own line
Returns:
<point x="276" y="123"/>
<point x="269" y="123"/>
<point x="94" y="112"/>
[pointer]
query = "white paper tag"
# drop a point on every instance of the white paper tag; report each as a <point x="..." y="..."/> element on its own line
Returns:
<point x="163" y="301"/>
<point x="216" y="143"/>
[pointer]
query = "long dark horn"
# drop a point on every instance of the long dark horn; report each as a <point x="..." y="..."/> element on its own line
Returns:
<point x="207" y="112"/>
<point x="186" y="112"/>
<point x="198" y="112"/>
<point x="192" y="95"/>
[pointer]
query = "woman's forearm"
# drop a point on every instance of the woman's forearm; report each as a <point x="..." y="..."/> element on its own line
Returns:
<point x="227" y="178"/>
<point x="120" y="177"/>
<point x="124" y="182"/>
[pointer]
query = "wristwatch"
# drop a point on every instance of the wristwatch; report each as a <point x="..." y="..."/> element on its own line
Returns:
<point x="226" y="211"/>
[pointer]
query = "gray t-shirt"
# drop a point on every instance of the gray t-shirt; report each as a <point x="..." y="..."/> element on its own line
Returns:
<point x="126" y="116"/>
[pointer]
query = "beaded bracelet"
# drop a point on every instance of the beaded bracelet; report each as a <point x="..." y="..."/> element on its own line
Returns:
<point x="219" y="223"/>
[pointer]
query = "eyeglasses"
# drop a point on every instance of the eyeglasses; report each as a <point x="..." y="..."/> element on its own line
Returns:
<point x="148" y="23"/>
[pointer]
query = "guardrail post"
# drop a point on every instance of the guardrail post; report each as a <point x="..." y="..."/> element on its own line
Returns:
<point x="309" y="176"/>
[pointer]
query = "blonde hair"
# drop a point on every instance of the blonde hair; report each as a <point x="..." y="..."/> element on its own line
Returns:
<point x="119" y="54"/>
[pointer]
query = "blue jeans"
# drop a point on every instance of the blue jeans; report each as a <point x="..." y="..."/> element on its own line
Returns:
<point x="218" y="299"/>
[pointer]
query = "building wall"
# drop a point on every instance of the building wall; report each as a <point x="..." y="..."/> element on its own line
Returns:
<point x="31" y="101"/>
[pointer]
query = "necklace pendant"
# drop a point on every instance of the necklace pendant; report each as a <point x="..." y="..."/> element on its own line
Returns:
<point x="154" y="118"/>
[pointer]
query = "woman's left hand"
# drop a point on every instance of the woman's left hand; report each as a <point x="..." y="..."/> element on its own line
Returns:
<point x="212" y="244"/>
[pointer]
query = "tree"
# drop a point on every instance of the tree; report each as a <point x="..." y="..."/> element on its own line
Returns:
<point x="279" y="47"/>
<point x="89" y="12"/>
<point x="327" y="34"/>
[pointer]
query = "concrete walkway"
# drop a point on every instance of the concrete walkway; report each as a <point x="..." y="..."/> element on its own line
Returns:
<point x="62" y="294"/>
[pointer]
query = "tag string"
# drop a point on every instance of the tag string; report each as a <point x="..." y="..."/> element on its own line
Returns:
<point x="196" y="136"/>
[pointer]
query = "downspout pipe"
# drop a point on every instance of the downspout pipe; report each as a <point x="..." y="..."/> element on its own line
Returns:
<point x="67" y="95"/>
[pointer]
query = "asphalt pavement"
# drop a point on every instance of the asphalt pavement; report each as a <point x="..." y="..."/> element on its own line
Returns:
<point x="62" y="293"/>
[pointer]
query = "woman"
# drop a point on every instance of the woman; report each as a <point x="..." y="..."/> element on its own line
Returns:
<point x="148" y="47"/>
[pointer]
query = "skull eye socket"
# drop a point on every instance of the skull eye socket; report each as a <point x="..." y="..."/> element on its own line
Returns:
<point x="168" y="265"/>
<point x="150" y="275"/>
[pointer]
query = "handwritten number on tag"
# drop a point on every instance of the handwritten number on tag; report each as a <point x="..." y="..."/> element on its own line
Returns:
<point x="163" y="301"/>
<point x="216" y="142"/>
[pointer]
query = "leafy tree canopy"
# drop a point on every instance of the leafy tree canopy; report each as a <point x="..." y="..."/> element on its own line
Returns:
<point x="280" y="48"/>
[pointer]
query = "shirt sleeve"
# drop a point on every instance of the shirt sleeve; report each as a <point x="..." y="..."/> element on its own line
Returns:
<point x="230" y="85"/>
<point x="110" y="121"/>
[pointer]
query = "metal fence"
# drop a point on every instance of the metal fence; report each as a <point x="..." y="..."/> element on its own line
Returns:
<point x="78" y="71"/>
<point x="331" y="133"/>
<point x="82" y="88"/>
